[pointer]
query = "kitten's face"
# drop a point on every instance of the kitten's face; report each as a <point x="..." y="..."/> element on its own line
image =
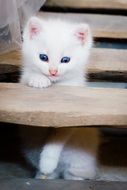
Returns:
<point x="55" y="48"/>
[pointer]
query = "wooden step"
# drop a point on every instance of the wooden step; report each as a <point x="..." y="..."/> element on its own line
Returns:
<point x="94" y="4"/>
<point x="62" y="106"/>
<point x="10" y="62"/>
<point x="103" y="26"/>
<point x="110" y="63"/>
<point x="32" y="184"/>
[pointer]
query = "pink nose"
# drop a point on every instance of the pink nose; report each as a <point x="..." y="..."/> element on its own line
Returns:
<point x="53" y="72"/>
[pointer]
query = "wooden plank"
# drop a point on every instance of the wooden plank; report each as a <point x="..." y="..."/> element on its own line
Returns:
<point x="103" y="60"/>
<point x="108" y="64"/>
<point x="60" y="106"/>
<point x="10" y="62"/>
<point x="92" y="4"/>
<point x="111" y="63"/>
<point x="104" y="26"/>
<point x="32" y="184"/>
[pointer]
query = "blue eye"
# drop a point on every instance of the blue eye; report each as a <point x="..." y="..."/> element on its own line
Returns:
<point x="44" y="57"/>
<point x="65" y="59"/>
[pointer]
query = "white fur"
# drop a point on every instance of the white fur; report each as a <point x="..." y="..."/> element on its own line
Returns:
<point x="49" y="158"/>
<point x="68" y="152"/>
<point x="50" y="155"/>
<point x="57" y="39"/>
<point x="72" y="153"/>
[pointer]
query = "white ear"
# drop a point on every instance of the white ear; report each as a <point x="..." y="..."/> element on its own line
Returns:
<point x="82" y="32"/>
<point x="34" y="27"/>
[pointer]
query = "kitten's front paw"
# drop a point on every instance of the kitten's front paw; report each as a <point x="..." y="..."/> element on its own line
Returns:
<point x="48" y="165"/>
<point x="53" y="175"/>
<point x="39" y="82"/>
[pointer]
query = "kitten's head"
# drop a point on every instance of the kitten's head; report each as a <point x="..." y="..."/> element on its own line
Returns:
<point x="56" y="48"/>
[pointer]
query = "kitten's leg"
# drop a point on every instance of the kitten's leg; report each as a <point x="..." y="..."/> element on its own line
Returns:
<point x="69" y="176"/>
<point x="53" y="175"/>
<point x="81" y="166"/>
<point x="35" y="79"/>
<point x="50" y="154"/>
<point x="80" y="173"/>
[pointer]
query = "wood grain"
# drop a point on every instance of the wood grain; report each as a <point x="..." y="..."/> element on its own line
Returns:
<point x="60" y="106"/>
<point x="108" y="65"/>
<point x="106" y="60"/>
<point x="32" y="184"/>
<point x="111" y="63"/>
<point x="10" y="62"/>
<point x="104" y="26"/>
<point x="100" y="4"/>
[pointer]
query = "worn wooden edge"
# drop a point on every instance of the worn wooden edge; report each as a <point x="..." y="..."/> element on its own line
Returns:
<point x="93" y="4"/>
<point x="32" y="184"/>
<point x="61" y="106"/>
<point x="104" y="64"/>
<point x="103" y="26"/>
<point x="10" y="62"/>
<point x="103" y="59"/>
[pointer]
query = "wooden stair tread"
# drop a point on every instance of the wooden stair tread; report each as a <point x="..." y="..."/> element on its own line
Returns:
<point x="10" y="62"/>
<point x="103" y="26"/>
<point x="99" y="4"/>
<point x="32" y="184"/>
<point x="106" y="61"/>
<point x="103" y="59"/>
<point x="60" y="106"/>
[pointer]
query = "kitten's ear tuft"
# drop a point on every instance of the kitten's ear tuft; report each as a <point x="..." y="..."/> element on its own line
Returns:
<point x="34" y="27"/>
<point x="82" y="32"/>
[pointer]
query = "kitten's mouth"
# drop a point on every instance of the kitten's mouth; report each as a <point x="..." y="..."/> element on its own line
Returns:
<point x="53" y="76"/>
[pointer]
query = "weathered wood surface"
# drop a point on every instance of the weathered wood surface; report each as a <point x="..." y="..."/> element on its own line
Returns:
<point x="112" y="62"/>
<point x="103" y="59"/>
<point x="108" y="64"/>
<point x="100" y="4"/>
<point x="104" y="26"/>
<point x="10" y="62"/>
<point x="60" y="106"/>
<point x="32" y="184"/>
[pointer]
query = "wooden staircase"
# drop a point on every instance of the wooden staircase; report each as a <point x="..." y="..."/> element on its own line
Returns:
<point x="60" y="106"/>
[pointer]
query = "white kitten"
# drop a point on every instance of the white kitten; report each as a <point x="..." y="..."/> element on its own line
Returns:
<point x="55" y="51"/>
<point x="73" y="153"/>
<point x="70" y="153"/>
